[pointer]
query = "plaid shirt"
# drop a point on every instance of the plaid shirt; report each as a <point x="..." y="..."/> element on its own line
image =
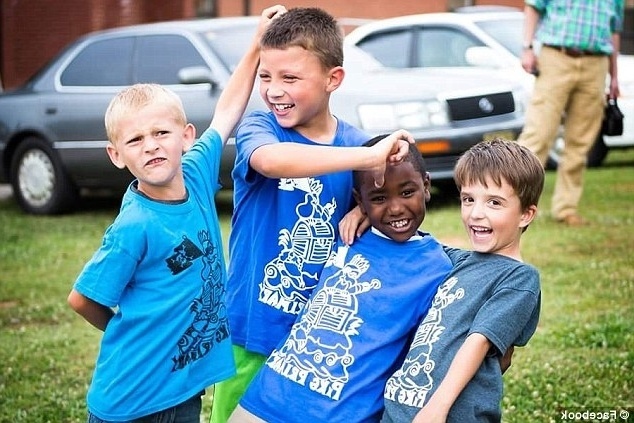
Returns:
<point x="579" y="24"/>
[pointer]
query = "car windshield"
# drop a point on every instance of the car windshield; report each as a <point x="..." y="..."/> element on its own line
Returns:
<point x="507" y="32"/>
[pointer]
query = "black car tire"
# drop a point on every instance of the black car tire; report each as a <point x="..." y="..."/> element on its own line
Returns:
<point x="40" y="184"/>
<point x="596" y="155"/>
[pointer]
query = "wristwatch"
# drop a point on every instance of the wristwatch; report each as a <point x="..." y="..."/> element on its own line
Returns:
<point x="527" y="46"/>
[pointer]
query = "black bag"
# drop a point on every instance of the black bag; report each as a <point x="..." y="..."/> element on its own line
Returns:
<point x="612" y="119"/>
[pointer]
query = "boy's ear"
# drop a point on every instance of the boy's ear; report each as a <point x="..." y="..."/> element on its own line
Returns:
<point x="427" y="186"/>
<point x="335" y="78"/>
<point x="115" y="158"/>
<point x="189" y="137"/>
<point x="528" y="215"/>
<point x="357" y="198"/>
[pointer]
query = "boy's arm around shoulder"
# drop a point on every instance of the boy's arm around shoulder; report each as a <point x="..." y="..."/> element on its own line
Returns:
<point x="235" y="96"/>
<point x="463" y="367"/>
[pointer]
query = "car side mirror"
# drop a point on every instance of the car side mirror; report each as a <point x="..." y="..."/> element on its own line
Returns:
<point x="197" y="75"/>
<point x="483" y="57"/>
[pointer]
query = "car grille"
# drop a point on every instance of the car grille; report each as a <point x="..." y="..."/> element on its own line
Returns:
<point x="481" y="106"/>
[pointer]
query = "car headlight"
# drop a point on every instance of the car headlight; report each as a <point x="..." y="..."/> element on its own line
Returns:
<point x="406" y="115"/>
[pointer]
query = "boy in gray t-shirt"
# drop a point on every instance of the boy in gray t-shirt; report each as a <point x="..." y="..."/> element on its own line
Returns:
<point x="489" y="303"/>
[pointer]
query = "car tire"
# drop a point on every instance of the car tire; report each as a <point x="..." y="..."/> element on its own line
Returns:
<point x="596" y="155"/>
<point x="40" y="184"/>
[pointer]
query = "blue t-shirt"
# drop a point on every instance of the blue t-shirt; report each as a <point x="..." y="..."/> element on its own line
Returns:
<point x="161" y="265"/>
<point x="490" y="294"/>
<point x="282" y="233"/>
<point x="352" y="334"/>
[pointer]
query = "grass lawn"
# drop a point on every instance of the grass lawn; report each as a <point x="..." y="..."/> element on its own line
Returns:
<point x="581" y="358"/>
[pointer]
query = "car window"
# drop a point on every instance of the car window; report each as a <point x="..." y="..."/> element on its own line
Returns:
<point x="102" y="63"/>
<point x="507" y="32"/>
<point x="442" y="47"/>
<point x="391" y="48"/>
<point x="159" y="58"/>
<point x="229" y="44"/>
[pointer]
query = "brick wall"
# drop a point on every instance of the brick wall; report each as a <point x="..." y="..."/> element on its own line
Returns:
<point x="33" y="31"/>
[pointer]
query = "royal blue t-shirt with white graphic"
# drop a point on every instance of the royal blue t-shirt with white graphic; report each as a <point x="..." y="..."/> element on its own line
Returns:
<point x="282" y="233"/>
<point x="352" y="334"/>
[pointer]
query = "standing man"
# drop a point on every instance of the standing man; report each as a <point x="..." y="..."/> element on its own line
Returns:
<point x="579" y="44"/>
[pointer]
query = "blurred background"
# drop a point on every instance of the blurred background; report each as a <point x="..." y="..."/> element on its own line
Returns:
<point x="33" y="31"/>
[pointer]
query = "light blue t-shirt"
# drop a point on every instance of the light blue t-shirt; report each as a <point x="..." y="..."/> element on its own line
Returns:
<point x="161" y="266"/>
<point x="282" y="233"/>
<point x="490" y="294"/>
<point x="352" y="334"/>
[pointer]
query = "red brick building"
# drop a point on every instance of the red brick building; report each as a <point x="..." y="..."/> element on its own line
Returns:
<point x="33" y="31"/>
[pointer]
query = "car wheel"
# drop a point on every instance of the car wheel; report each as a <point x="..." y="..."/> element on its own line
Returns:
<point x="40" y="184"/>
<point x="596" y="155"/>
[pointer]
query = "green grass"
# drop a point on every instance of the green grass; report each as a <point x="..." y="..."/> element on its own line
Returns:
<point x="582" y="355"/>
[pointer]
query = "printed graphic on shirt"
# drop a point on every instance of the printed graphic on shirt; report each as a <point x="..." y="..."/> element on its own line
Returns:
<point x="209" y="315"/>
<point x="286" y="284"/>
<point x="317" y="352"/>
<point x="411" y="384"/>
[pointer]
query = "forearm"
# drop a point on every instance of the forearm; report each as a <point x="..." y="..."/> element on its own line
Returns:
<point x="94" y="313"/>
<point x="531" y="19"/>
<point x="613" y="66"/>
<point x="235" y="96"/>
<point x="463" y="367"/>
<point x="294" y="160"/>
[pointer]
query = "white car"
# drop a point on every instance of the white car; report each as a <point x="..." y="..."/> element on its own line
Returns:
<point x="479" y="37"/>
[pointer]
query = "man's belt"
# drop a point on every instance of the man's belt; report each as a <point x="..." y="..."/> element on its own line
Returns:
<point x="575" y="52"/>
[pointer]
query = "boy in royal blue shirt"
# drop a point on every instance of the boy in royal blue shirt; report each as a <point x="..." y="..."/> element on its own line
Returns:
<point x="292" y="185"/>
<point x="369" y="299"/>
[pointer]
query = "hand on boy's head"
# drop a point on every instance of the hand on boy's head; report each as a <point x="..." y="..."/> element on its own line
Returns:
<point x="268" y="15"/>
<point x="391" y="149"/>
<point x="400" y="146"/>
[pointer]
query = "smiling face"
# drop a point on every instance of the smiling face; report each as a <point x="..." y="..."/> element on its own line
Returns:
<point x="296" y="87"/>
<point x="493" y="217"/>
<point x="397" y="209"/>
<point x="150" y="142"/>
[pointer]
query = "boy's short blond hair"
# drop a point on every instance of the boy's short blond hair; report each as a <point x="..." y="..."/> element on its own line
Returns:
<point x="499" y="160"/>
<point x="136" y="97"/>
<point x="311" y="28"/>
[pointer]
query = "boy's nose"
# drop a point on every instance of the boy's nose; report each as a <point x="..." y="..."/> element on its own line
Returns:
<point x="477" y="210"/>
<point x="150" y="143"/>
<point x="395" y="206"/>
<point x="274" y="90"/>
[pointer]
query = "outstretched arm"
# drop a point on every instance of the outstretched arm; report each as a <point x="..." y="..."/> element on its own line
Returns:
<point x="234" y="98"/>
<point x="463" y="367"/>
<point x="295" y="160"/>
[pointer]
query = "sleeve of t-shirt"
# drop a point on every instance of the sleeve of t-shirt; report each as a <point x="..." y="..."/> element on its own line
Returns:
<point x="510" y="315"/>
<point x="255" y="130"/>
<point x="106" y="275"/>
<point x="202" y="161"/>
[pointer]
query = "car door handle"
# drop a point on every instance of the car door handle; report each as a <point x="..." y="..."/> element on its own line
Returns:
<point x="50" y="110"/>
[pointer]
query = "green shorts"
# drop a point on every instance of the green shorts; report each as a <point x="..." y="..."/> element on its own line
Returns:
<point x="227" y="393"/>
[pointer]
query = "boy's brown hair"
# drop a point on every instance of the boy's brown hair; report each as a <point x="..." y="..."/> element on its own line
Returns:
<point x="310" y="28"/>
<point x="499" y="160"/>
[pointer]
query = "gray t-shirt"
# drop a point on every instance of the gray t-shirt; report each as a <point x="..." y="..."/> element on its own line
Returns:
<point x="489" y="294"/>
